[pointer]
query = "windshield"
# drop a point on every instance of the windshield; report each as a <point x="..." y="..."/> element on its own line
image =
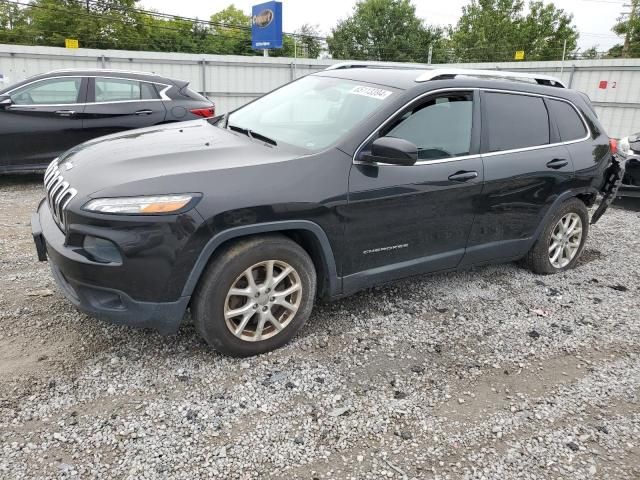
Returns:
<point x="311" y="113"/>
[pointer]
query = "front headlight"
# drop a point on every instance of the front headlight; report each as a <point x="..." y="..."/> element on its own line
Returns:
<point x="157" y="204"/>
<point x="624" y="147"/>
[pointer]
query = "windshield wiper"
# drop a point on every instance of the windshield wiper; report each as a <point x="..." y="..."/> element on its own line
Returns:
<point x="254" y="135"/>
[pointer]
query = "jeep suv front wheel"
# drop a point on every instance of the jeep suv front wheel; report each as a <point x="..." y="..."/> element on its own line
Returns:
<point x="255" y="295"/>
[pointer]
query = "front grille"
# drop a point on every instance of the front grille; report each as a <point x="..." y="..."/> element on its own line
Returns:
<point x="59" y="193"/>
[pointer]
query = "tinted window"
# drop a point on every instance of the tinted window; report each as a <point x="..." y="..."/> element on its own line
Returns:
<point x="58" y="91"/>
<point x="440" y="128"/>
<point x="117" y="90"/>
<point x="515" y="121"/>
<point x="569" y="123"/>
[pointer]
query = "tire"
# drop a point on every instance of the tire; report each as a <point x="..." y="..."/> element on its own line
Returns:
<point x="539" y="258"/>
<point x="214" y="304"/>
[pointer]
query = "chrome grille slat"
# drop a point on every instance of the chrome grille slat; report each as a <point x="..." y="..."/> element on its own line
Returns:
<point x="59" y="194"/>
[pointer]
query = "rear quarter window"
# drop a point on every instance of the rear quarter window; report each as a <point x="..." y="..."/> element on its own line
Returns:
<point x="515" y="121"/>
<point x="569" y="122"/>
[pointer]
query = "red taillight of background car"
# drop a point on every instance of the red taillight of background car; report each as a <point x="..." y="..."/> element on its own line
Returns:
<point x="204" y="112"/>
<point x="613" y="145"/>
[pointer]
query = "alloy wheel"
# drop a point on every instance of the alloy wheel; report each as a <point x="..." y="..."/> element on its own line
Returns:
<point x="565" y="241"/>
<point x="263" y="300"/>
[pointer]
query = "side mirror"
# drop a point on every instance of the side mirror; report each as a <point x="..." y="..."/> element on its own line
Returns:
<point x="395" y="151"/>
<point x="5" y="101"/>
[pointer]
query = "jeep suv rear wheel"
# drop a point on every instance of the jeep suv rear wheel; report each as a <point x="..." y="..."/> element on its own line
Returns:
<point x="562" y="240"/>
<point x="255" y="295"/>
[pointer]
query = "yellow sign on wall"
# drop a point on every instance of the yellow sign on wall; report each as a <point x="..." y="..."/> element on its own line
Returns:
<point x="519" y="55"/>
<point x="71" y="43"/>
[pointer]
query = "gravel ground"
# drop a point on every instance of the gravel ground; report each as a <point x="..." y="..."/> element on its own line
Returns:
<point x="494" y="373"/>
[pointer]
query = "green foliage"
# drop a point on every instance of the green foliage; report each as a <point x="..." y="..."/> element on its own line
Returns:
<point x="118" y="24"/>
<point x="493" y="30"/>
<point x="627" y="25"/>
<point x="386" y="30"/>
<point x="228" y="38"/>
<point x="304" y="43"/>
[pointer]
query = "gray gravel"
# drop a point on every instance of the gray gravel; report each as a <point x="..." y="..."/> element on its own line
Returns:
<point x="494" y="373"/>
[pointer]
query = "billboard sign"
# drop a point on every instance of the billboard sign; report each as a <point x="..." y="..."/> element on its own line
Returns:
<point x="266" y="26"/>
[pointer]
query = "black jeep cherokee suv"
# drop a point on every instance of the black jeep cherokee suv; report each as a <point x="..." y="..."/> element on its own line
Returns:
<point x="333" y="183"/>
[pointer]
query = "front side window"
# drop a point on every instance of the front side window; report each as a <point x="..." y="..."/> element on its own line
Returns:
<point x="58" y="91"/>
<point x="119" y="90"/>
<point x="440" y="127"/>
<point x="515" y="121"/>
<point x="313" y="112"/>
<point x="569" y="122"/>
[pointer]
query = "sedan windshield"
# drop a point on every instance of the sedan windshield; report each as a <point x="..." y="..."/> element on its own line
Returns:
<point x="311" y="113"/>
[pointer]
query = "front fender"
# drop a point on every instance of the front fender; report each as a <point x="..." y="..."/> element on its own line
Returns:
<point x="334" y="282"/>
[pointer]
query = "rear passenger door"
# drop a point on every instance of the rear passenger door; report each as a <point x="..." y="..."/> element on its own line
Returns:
<point x="525" y="166"/>
<point x="117" y="104"/>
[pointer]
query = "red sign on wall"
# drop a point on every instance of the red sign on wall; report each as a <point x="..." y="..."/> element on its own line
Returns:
<point x="603" y="84"/>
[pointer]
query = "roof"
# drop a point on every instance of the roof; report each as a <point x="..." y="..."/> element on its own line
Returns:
<point x="154" y="77"/>
<point x="406" y="76"/>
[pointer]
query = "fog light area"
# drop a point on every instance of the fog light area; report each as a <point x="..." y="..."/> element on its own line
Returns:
<point x="101" y="250"/>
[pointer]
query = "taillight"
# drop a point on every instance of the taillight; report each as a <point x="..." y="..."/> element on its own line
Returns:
<point x="204" y="112"/>
<point x="613" y="145"/>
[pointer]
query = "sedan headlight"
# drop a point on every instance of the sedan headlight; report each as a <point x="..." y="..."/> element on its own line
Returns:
<point x="149" y="205"/>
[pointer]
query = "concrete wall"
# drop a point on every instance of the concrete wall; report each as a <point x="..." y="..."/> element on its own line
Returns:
<point x="232" y="81"/>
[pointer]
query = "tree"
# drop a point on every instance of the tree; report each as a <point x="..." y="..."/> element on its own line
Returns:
<point x="14" y="25"/>
<point x="590" y="53"/>
<point x="630" y="26"/>
<point x="231" y="32"/>
<point x="383" y="30"/>
<point x="304" y="43"/>
<point x="309" y="45"/>
<point x="493" y="30"/>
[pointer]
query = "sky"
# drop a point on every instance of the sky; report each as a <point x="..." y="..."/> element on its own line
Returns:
<point x="594" y="18"/>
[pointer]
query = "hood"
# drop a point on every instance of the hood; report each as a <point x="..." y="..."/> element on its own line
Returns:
<point x="148" y="159"/>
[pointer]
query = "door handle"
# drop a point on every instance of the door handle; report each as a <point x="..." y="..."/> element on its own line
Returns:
<point x="463" y="176"/>
<point x="144" y="112"/>
<point x="557" y="163"/>
<point x="65" y="113"/>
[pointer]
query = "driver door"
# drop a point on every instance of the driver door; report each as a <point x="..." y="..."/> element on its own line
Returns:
<point x="43" y="120"/>
<point x="405" y="220"/>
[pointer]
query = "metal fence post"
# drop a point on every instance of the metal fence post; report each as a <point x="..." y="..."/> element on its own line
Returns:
<point x="430" y="55"/>
<point x="203" y="63"/>
<point x="573" y="69"/>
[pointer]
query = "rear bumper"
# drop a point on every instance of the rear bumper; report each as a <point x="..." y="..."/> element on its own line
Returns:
<point x="104" y="303"/>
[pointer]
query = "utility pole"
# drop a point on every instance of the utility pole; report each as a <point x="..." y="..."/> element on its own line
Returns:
<point x="627" y="37"/>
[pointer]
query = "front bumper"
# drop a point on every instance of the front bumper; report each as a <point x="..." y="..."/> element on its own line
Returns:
<point x="104" y="303"/>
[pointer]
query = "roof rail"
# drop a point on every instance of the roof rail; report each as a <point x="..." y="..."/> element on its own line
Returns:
<point x="106" y="70"/>
<point x="366" y="64"/>
<point x="443" y="73"/>
<point x="435" y="73"/>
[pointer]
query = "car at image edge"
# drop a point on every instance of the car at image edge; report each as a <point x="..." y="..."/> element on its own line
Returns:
<point x="629" y="152"/>
<point x="47" y="114"/>
<point x="341" y="180"/>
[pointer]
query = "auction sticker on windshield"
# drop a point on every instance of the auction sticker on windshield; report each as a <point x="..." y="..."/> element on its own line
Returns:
<point x="371" y="92"/>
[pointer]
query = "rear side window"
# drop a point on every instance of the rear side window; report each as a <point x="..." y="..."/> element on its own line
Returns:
<point x="569" y="122"/>
<point x="118" y="90"/>
<point x="515" y="121"/>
